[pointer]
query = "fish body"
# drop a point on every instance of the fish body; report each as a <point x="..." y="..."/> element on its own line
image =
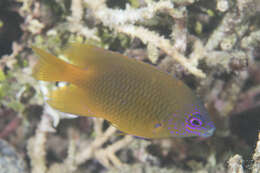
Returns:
<point x="135" y="97"/>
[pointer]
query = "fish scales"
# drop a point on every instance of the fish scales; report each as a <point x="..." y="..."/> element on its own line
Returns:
<point x="128" y="87"/>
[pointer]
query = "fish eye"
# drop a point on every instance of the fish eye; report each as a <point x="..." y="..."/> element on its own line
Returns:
<point x="195" y="122"/>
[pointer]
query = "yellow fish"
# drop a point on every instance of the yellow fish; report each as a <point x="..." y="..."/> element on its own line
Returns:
<point x="135" y="97"/>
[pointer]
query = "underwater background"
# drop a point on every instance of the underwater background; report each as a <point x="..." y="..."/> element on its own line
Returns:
<point x="211" y="45"/>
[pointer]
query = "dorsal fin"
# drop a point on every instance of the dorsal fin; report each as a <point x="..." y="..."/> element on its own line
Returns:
<point x="83" y="55"/>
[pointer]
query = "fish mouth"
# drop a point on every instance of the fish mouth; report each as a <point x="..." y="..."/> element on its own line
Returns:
<point x="208" y="133"/>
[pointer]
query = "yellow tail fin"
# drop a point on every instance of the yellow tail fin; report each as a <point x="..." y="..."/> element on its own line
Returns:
<point x="50" y="68"/>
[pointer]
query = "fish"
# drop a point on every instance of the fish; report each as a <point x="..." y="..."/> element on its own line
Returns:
<point x="135" y="97"/>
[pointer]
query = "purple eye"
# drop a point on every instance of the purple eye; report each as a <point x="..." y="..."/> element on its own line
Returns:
<point x="195" y="122"/>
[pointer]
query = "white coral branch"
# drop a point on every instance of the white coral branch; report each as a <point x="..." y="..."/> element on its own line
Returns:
<point x="36" y="146"/>
<point x="104" y="155"/>
<point x="235" y="164"/>
<point x="114" y="17"/>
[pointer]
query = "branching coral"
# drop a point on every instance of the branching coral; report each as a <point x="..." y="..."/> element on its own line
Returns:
<point x="223" y="52"/>
<point x="36" y="146"/>
<point x="75" y="21"/>
<point x="30" y="9"/>
<point x="235" y="20"/>
<point x="94" y="150"/>
<point x="115" y="17"/>
<point x="76" y="156"/>
<point x="235" y="163"/>
<point x="123" y="22"/>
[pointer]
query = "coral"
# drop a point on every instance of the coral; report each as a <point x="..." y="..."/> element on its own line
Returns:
<point x="236" y="162"/>
<point x="103" y="155"/>
<point x="75" y="21"/>
<point x="75" y="157"/>
<point x="36" y="146"/>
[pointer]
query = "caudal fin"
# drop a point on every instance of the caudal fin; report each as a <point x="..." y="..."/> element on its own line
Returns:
<point x="50" y="68"/>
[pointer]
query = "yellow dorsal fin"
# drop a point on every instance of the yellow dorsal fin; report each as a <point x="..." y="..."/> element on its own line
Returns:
<point x="83" y="55"/>
<point x="70" y="99"/>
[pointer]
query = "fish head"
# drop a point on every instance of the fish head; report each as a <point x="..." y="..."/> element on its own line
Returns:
<point x="189" y="120"/>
